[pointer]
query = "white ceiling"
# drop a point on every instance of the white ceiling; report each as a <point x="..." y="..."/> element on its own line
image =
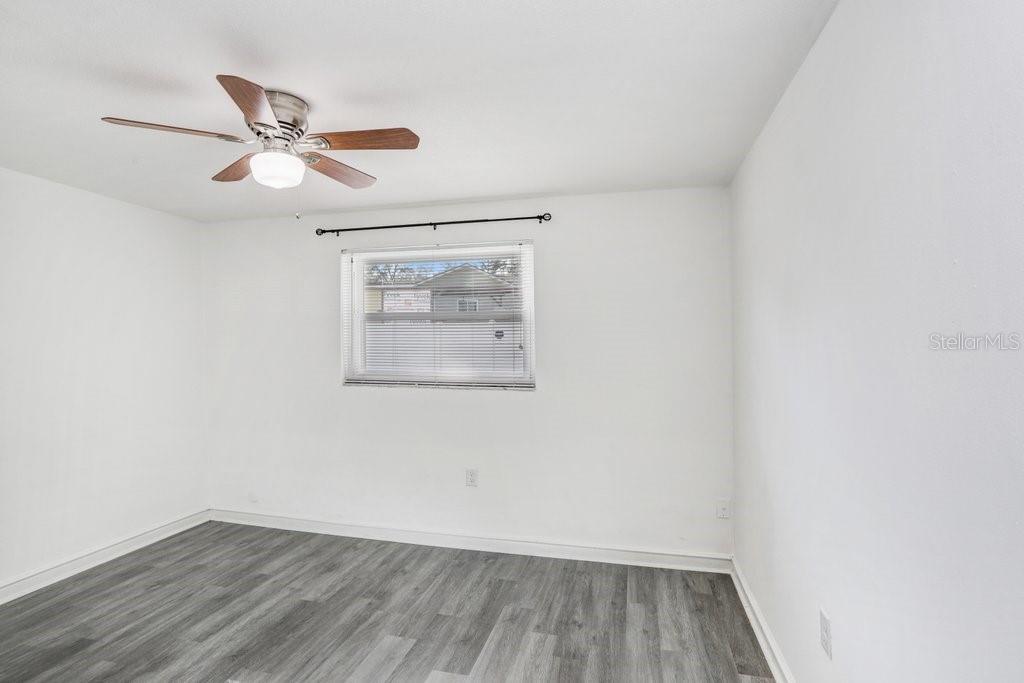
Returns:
<point x="508" y="98"/>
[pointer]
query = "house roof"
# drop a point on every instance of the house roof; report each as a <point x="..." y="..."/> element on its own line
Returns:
<point x="465" y="276"/>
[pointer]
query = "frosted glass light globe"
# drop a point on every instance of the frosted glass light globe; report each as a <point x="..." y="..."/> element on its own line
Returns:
<point x="277" y="169"/>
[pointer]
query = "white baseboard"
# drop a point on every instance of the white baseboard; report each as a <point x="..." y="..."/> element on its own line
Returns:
<point x="33" y="581"/>
<point x="705" y="562"/>
<point x="770" y="647"/>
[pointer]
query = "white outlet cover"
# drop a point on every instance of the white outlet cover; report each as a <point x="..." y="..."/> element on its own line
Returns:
<point x="472" y="478"/>
<point x="723" y="508"/>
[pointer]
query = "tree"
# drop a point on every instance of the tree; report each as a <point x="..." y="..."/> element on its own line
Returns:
<point x="390" y="274"/>
<point x="506" y="267"/>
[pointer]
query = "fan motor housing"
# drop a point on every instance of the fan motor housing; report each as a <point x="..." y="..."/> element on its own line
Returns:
<point x="292" y="114"/>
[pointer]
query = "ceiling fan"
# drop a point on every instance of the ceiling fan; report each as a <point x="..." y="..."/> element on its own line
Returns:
<point x="278" y="119"/>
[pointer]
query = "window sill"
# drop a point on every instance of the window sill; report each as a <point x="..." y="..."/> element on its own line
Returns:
<point x="438" y="385"/>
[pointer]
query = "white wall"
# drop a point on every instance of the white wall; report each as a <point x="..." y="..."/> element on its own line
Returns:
<point x="626" y="442"/>
<point x="876" y="478"/>
<point x="99" y="332"/>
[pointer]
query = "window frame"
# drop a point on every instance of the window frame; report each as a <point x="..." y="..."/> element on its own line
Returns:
<point x="353" y="315"/>
<point x="467" y="300"/>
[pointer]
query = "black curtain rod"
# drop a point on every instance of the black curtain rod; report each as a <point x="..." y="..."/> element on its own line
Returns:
<point x="540" y="218"/>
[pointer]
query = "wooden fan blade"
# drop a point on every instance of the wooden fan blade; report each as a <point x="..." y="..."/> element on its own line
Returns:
<point x="236" y="171"/>
<point x="381" y="138"/>
<point x="338" y="171"/>
<point x="251" y="99"/>
<point x="174" y="129"/>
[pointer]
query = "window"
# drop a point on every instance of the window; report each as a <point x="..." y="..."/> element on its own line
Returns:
<point x="458" y="316"/>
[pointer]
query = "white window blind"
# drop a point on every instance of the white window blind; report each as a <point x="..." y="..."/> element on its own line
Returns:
<point x="443" y="316"/>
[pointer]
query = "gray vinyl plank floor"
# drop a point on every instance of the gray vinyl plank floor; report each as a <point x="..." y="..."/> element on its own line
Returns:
<point x="227" y="602"/>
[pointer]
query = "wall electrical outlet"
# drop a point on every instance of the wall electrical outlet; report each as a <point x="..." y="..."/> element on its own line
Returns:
<point x="472" y="478"/>
<point x="826" y="633"/>
<point x="723" y="509"/>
